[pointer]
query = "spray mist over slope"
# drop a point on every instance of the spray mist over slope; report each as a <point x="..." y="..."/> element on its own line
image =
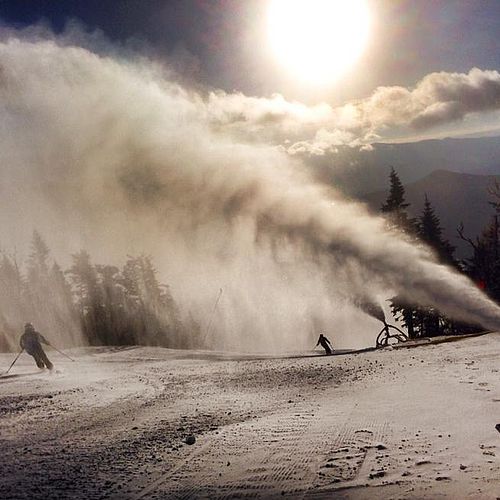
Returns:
<point x="114" y="156"/>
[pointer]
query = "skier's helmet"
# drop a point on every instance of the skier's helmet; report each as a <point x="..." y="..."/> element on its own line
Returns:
<point x="29" y="326"/>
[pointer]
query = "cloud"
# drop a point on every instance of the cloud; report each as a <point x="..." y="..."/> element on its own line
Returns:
<point x="389" y="113"/>
<point x="448" y="97"/>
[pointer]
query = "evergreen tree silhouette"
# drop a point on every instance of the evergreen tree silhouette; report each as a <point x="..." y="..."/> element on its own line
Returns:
<point x="395" y="211"/>
<point x="37" y="290"/>
<point x="12" y="304"/>
<point x="109" y="305"/>
<point x="395" y="206"/>
<point x="430" y="231"/>
<point x="428" y="319"/>
<point x="89" y="299"/>
<point x="484" y="265"/>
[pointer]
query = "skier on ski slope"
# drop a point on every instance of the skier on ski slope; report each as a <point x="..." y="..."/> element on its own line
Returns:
<point x="325" y="344"/>
<point x="31" y="341"/>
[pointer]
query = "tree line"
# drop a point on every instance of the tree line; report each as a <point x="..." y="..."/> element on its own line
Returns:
<point x="109" y="305"/>
<point x="482" y="266"/>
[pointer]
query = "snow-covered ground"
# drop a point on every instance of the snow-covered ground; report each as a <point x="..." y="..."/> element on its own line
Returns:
<point x="400" y="423"/>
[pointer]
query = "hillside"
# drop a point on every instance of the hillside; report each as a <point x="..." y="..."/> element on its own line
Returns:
<point x="457" y="198"/>
<point x="360" y="172"/>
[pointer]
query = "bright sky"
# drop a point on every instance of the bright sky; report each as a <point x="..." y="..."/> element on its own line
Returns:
<point x="318" y="64"/>
<point x="224" y="43"/>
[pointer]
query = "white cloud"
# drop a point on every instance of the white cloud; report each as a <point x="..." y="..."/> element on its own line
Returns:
<point x="389" y="113"/>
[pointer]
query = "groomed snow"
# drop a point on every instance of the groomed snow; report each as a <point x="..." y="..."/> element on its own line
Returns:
<point x="398" y="423"/>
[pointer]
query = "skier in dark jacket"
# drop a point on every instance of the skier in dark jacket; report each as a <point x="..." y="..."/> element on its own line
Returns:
<point x="325" y="344"/>
<point x="31" y="341"/>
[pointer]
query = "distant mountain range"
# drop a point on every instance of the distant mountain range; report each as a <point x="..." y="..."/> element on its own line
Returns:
<point x="359" y="172"/>
<point x="456" y="197"/>
<point x="455" y="173"/>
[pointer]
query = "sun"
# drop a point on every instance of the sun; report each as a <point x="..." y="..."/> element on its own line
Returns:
<point x="318" y="40"/>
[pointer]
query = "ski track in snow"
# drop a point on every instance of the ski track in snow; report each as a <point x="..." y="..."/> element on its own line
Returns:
<point x="401" y="423"/>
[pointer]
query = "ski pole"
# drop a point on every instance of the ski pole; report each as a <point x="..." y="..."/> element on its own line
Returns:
<point x="13" y="362"/>
<point x="212" y="315"/>
<point x="60" y="352"/>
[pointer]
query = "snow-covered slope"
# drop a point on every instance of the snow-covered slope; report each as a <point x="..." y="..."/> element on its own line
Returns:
<point x="401" y="423"/>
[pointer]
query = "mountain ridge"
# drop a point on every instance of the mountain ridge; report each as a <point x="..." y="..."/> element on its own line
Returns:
<point x="357" y="173"/>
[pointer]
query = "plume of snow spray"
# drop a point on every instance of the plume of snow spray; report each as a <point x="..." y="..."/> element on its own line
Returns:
<point x="124" y="159"/>
<point x="372" y="309"/>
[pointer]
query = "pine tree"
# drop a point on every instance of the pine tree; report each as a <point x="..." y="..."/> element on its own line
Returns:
<point x="38" y="262"/>
<point x="494" y="191"/>
<point x="89" y="299"/>
<point x="108" y="305"/>
<point x="36" y="290"/>
<point x="395" y="210"/>
<point x="429" y="230"/>
<point x="60" y="283"/>
<point x="12" y="304"/>
<point x="484" y="265"/>
<point x="395" y="206"/>
<point x="154" y="314"/>
<point x="428" y="319"/>
<point x="11" y="277"/>
<point x="63" y="315"/>
<point x="115" y="328"/>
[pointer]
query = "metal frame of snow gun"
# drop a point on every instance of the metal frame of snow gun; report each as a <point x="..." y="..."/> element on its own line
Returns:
<point x="384" y="337"/>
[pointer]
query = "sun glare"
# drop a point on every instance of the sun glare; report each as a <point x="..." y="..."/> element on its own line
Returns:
<point x="318" y="40"/>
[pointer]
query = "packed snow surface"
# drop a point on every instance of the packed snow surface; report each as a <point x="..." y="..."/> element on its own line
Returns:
<point x="159" y="423"/>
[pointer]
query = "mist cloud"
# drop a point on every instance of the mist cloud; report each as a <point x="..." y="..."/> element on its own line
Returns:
<point x="116" y="149"/>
